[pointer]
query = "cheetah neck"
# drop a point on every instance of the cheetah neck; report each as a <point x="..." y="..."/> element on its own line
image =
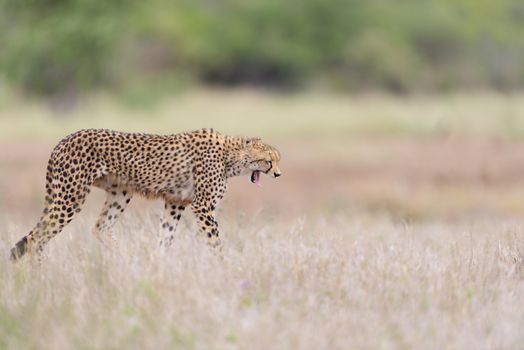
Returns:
<point x="234" y="160"/>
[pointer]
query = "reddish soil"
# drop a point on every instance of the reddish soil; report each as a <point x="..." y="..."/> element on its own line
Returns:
<point x="407" y="177"/>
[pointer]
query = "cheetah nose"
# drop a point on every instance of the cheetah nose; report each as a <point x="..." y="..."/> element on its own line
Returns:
<point x="277" y="174"/>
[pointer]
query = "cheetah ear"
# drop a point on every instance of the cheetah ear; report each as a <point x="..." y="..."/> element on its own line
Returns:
<point x="251" y="141"/>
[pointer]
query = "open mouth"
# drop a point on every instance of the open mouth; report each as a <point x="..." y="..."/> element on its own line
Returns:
<point x="255" y="177"/>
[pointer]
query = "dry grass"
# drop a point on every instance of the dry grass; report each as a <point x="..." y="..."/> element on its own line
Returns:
<point x="398" y="225"/>
<point x="341" y="282"/>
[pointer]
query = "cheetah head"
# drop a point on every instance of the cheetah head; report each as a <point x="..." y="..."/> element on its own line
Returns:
<point x="259" y="157"/>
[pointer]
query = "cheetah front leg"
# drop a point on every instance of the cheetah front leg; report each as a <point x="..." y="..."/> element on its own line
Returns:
<point x="116" y="202"/>
<point x="169" y="222"/>
<point x="205" y="215"/>
<point x="209" y="190"/>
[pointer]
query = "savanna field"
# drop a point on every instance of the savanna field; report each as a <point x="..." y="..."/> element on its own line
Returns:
<point x="398" y="223"/>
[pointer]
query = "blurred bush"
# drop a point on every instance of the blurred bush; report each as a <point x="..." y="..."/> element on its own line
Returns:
<point x="49" y="46"/>
<point x="67" y="46"/>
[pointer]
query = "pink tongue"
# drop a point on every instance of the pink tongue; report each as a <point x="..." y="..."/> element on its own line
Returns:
<point x="257" y="179"/>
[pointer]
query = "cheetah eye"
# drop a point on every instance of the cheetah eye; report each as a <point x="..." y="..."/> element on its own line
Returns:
<point x="265" y="164"/>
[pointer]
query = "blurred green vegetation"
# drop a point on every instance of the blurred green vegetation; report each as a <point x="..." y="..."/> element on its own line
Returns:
<point x="309" y="116"/>
<point x="53" y="47"/>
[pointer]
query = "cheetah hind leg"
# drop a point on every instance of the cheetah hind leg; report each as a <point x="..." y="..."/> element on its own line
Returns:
<point x="116" y="202"/>
<point x="52" y="222"/>
<point x="169" y="222"/>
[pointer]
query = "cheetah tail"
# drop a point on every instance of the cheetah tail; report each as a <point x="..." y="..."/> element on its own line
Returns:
<point x="20" y="248"/>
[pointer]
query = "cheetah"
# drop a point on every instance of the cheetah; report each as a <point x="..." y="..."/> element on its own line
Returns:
<point x="190" y="168"/>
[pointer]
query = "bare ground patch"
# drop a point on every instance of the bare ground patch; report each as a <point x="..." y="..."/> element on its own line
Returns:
<point x="406" y="177"/>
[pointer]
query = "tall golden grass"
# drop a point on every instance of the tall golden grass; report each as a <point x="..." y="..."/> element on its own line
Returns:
<point x="339" y="282"/>
<point x="397" y="225"/>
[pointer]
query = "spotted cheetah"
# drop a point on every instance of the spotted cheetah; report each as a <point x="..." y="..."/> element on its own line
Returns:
<point x="183" y="169"/>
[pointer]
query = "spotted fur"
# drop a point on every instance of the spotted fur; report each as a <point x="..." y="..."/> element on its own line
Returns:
<point x="187" y="169"/>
